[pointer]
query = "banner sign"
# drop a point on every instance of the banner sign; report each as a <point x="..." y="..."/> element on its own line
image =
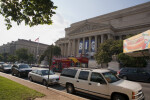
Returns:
<point x="93" y="45"/>
<point x="86" y="46"/>
<point x="80" y="47"/>
<point x="137" y="42"/>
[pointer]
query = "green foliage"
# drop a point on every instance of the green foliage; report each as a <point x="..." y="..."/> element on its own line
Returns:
<point x="31" y="58"/>
<point x="12" y="58"/>
<point x="32" y="12"/>
<point x="111" y="47"/>
<point x="50" y="51"/>
<point x="11" y="90"/>
<point x="22" y="54"/>
<point x="1" y="57"/>
<point x="128" y="61"/>
<point x="107" y="49"/>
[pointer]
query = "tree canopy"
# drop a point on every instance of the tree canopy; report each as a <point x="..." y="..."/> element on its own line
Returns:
<point x="32" y="12"/>
<point x="107" y="49"/>
<point x="51" y="51"/>
<point x="111" y="47"/>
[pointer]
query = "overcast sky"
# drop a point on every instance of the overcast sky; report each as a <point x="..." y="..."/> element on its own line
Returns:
<point x="68" y="12"/>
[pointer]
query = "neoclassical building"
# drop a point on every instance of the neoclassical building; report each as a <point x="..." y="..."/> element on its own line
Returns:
<point x="33" y="47"/>
<point x="85" y="36"/>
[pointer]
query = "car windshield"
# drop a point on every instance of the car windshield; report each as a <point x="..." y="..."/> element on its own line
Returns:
<point x="23" y="66"/>
<point x="45" y="72"/>
<point x="110" y="77"/>
<point x="7" y="65"/>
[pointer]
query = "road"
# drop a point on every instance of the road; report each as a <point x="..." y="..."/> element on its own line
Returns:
<point x="146" y="90"/>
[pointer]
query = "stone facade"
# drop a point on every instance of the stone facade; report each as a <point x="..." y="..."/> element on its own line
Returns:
<point x="33" y="47"/>
<point x="116" y="25"/>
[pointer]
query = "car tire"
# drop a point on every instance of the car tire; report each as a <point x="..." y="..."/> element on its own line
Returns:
<point x="70" y="88"/>
<point x="44" y="82"/>
<point x="30" y="78"/>
<point x="19" y="75"/>
<point x="125" y="77"/>
<point x="12" y="73"/>
<point x="119" y="97"/>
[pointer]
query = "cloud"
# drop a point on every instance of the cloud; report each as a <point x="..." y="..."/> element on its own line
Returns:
<point x="48" y="33"/>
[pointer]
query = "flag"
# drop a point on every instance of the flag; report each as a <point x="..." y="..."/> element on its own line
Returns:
<point x="37" y="40"/>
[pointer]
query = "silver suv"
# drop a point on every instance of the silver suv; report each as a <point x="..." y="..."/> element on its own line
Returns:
<point x="100" y="82"/>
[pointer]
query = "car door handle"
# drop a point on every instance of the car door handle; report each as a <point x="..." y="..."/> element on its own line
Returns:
<point x="77" y="81"/>
<point x="90" y="84"/>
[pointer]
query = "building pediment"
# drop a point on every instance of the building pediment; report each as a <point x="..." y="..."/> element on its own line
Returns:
<point x="88" y="26"/>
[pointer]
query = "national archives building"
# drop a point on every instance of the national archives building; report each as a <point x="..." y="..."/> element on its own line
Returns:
<point x="85" y="36"/>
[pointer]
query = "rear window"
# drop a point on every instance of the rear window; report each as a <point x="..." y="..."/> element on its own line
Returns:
<point x="124" y="70"/>
<point x="69" y="72"/>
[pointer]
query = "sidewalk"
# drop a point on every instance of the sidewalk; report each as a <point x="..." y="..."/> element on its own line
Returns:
<point x="51" y="94"/>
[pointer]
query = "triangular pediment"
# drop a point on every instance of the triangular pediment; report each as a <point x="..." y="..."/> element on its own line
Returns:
<point x="89" y="26"/>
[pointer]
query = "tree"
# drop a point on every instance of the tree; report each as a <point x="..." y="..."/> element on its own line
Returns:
<point x="107" y="49"/>
<point x="111" y="47"/>
<point x="12" y="58"/>
<point x="1" y="57"/>
<point x="31" y="58"/>
<point x="22" y="54"/>
<point x="32" y="12"/>
<point x="56" y="51"/>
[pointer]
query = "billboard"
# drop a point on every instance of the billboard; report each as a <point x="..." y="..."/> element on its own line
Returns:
<point x="137" y="42"/>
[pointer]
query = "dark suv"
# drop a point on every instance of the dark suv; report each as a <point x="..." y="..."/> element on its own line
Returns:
<point x="135" y="74"/>
<point x="21" y="70"/>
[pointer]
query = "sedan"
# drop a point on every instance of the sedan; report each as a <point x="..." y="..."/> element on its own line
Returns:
<point x="5" y="68"/>
<point x="41" y="75"/>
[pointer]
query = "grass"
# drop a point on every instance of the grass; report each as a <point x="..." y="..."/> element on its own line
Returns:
<point x="10" y="90"/>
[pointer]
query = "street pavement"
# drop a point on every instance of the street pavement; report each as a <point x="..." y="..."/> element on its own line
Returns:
<point x="146" y="90"/>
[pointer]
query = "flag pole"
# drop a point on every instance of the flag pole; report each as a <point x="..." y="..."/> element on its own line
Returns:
<point x="37" y="50"/>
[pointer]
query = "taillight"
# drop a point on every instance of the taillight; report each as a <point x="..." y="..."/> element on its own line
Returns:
<point x="133" y="95"/>
<point x="118" y="72"/>
<point x="59" y="77"/>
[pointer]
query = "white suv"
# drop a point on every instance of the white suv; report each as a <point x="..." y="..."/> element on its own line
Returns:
<point x="100" y="82"/>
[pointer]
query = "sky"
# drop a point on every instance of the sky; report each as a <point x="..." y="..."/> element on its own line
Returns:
<point x="68" y="12"/>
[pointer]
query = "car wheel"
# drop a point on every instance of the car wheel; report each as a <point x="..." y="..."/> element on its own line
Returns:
<point x="19" y="75"/>
<point x="70" y="88"/>
<point x="30" y="78"/>
<point x="125" y="77"/>
<point x="119" y="97"/>
<point x="44" y="82"/>
<point x="12" y="73"/>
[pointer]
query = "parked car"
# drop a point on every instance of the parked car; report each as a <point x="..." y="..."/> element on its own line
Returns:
<point x="100" y="82"/>
<point x="5" y="68"/>
<point x="41" y="75"/>
<point x="21" y="69"/>
<point x="135" y="74"/>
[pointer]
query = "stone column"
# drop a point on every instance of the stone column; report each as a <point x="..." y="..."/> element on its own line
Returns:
<point x="65" y="49"/>
<point x="73" y="47"/>
<point x="109" y="36"/>
<point x="96" y="43"/>
<point x="120" y="37"/>
<point x="90" y="44"/>
<point x="78" y="42"/>
<point x="83" y="48"/>
<point x="69" y="46"/>
<point x="102" y="38"/>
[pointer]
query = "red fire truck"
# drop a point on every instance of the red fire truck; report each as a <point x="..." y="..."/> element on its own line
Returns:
<point x="60" y="63"/>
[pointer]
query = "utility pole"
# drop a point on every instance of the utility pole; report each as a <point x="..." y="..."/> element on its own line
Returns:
<point x="50" y="63"/>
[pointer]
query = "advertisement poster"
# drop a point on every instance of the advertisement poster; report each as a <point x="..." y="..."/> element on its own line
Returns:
<point x="80" y="47"/>
<point x="86" y="46"/>
<point x="137" y="42"/>
<point x="93" y="45"/>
